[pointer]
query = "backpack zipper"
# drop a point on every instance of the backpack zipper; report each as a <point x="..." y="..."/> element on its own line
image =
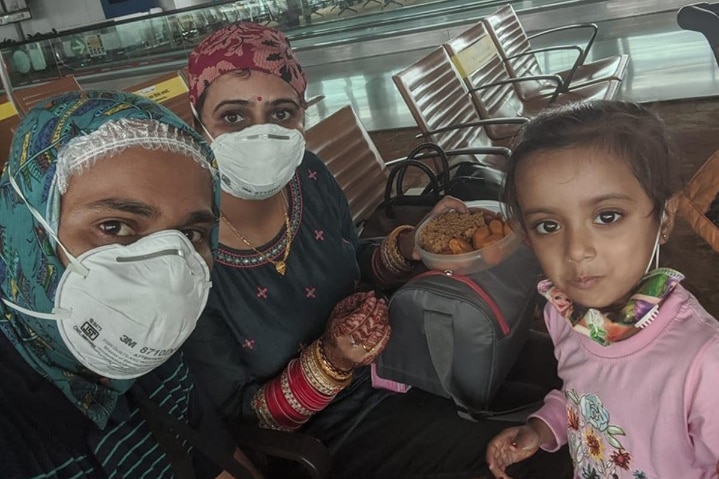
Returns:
<point x="466" y="280"/>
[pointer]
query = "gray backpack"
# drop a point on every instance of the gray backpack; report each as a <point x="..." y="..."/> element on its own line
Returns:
<point x="458" y="336"/>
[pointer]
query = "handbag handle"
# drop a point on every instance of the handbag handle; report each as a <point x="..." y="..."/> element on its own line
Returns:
<point x="394" y="177"/>
<point x="442" y="175"/>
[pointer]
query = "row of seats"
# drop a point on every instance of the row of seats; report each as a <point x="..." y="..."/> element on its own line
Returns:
<point x="477" y="88"/>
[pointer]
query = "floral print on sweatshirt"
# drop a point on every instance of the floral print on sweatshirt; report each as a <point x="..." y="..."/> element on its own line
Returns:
<point x="595" y="443"/>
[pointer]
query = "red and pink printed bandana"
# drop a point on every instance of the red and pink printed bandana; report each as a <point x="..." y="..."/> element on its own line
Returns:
<point x="244" y="46"/>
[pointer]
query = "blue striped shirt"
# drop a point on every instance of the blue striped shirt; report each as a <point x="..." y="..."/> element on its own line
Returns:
<point x="42" y="435"/>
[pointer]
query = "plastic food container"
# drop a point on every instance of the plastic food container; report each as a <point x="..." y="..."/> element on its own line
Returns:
<point x="474" y="261"/>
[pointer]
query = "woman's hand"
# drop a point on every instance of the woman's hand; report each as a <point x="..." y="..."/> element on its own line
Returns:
<point x="512" y="445"/>
<point x="357" y="332"/>
<point x="406" y="240"/>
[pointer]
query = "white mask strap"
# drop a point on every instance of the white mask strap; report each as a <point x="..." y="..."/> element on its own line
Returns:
<point x="197" y="117"/>
<point x="655" y="251"/>
<point x="74" y="265"/>
<point x="57" y="313"/>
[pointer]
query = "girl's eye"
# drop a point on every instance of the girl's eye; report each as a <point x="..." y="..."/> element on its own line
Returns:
<point x="546" y="227"/>
<point x="232" y="118"/>
<point x="608" y="217"/>
<point x="116" y="228"/>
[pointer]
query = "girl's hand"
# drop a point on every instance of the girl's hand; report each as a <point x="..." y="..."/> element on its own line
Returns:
<point x="357" y="332"/>
<point x="406" y="240"/>
<point x="512" y="445"/>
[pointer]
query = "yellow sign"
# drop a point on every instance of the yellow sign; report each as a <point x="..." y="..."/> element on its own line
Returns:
<point x="7" y="110"/>
<point x="474" y="56"/>
<point x="163" y="91"/>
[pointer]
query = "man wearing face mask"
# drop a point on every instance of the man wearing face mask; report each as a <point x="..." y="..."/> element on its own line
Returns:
<point x="286" y="337"/>
<point x="107" y="229"/>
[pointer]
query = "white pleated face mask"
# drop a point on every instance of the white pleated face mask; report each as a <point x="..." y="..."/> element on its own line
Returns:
<point x="122" y="310"/>
<point x="257" y="162"/>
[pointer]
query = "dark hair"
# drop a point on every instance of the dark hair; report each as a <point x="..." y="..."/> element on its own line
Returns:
<point x="627" y="130"/>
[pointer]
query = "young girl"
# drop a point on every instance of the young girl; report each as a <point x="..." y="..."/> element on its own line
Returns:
<point x="591" y="185"/>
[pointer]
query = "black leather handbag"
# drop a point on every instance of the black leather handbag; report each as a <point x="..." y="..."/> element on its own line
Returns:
<point x="465" y="180"/>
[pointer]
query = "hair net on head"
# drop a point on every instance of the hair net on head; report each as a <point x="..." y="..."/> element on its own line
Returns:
<point x="114" y="137"/>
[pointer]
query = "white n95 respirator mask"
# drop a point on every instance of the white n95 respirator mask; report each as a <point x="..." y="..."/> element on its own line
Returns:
<point x="257" y="162"/>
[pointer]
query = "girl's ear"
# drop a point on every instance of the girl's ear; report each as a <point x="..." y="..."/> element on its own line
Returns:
<point x="668" y="217"/>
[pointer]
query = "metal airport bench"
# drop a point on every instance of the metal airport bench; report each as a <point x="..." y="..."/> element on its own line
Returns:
<point x="702" y="18"/>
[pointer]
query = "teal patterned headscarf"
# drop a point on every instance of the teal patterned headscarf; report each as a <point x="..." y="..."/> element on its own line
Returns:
<point x="29" y="266"/>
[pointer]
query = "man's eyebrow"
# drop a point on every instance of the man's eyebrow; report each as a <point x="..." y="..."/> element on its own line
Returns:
<point x="127" y="206"/>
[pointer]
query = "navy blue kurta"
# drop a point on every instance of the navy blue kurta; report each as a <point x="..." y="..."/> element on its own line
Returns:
<point x="256" y="320"/>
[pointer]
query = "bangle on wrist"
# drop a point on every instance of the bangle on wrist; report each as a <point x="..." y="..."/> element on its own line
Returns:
<point x="402" y="233"/>
<point x="395" y="260"/>
<point x="316" y="375"/>
<point x="339" y="375"/>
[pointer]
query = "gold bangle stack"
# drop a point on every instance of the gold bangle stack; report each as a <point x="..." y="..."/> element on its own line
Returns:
<point x="320" y="376"/>
<point x="328" y="368"/>
<point x="391" y="255"/>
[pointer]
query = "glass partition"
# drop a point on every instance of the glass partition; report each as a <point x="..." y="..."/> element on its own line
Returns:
<point x="165" y="39"/>
<point x="114" y="45"/>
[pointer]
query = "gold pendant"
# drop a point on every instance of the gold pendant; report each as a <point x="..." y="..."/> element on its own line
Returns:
<point x="281" y="267"/>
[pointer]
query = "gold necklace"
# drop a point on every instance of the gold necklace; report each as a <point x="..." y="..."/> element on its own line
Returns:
<point x="281" y="265"/>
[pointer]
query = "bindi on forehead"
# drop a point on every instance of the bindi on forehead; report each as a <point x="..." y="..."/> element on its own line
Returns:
<point x="259" y="98"/>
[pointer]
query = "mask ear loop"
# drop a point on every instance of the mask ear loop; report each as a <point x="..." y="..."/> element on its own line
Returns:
<point x="74" y="265"/>
<point x="197" y="117"/>
<point x="57" y="313"/>
<point x="655" y="251"/>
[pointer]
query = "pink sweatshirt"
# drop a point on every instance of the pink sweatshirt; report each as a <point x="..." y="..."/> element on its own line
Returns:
<point x="643" y="408"/>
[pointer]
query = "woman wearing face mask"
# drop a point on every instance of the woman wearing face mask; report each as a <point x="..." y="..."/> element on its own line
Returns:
<point x="285" y="337"/>
<point x="105" y="198"/>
